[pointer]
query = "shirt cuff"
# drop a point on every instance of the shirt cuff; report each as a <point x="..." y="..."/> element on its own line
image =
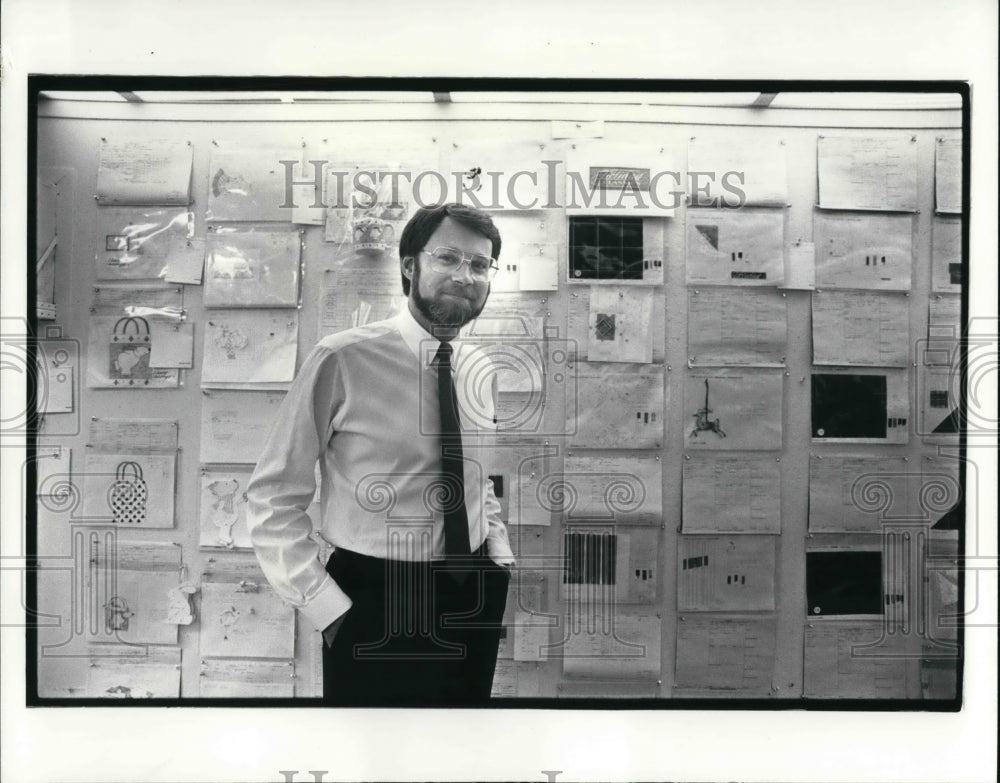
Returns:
<point x="500" y="552"/>
<point x="327" y="605"/>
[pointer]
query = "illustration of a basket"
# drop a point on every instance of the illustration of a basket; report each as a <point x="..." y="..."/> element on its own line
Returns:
<point x="128" y="495"/>
<point x="129" y="354"/>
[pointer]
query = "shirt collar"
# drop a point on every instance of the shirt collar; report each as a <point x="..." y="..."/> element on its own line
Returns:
<point x="422" y="343"/>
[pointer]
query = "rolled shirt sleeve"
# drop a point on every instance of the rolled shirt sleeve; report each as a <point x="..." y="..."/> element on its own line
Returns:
<point x="282" y="487"/>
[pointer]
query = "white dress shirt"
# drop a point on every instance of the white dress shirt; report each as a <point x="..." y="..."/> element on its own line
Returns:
<point x="365" y="405"/>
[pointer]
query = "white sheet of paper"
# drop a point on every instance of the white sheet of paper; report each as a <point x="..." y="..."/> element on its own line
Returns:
<point x="722" y="573"/>
<point x="743" y="247"/>
<point x="500" y="174"/>
<point x="56" y="377"/>
<point x="252" y="268"/>
<point x="800" y="271"/>
<point x="249" y="347"/>
<point x="172" y="345"/>
<point x="531" y="637"/>
<point x="529" y="467"/>
<point x="618" y="406"/>
<point x="132" y="584"/>
<point x="150" y="171"/>
<point x="868" y="172"/>
<point x="224" y="508"/>
<point x="939" y="403"/>
<point x="359" y="294"/>
<point x="942" y="474"/>
<point x="607" y="562"/>
<point x="853" y="494"/>
<point x="738" y="494"/>
<point x="863" y="250"/>
<point x="130" y="490"/>
<point x="733" y="409"/>
<point x="246" y="623"/>
<point x="842" y="661"/>
<point x="222" y="678"/>
<point x="620" y="178"/>
<point x="946" y="255"/>
<point x="137" y="244"/>
<point x="53" y="466"/>
<point x="186" y="262"/>
<point x="578" y="317"/>
<point x="124" y="671"/>
<point x="725" y="654"/>
<point x="115" y="363"/>
<point x="736" y="327"/>
<point x="619" y="325"/>
<point x="513" y="680"/>
<point x="944" y="329"/>
<point x="247" y="183"/>
<point x="538" y="266"/>
<point x="863" y="329"/>
<point x="310" y="200"/>
<point x="737" y="173"/>
<point x="948" y="175"/>
<point x="132" y="436"/>
<point x="628" y="490"/>
<point x="831" y="418"/>
<point x="621" y="644"/>
<point x="235" y="424"/>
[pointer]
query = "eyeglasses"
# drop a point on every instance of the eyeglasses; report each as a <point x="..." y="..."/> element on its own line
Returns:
<point x="448" y="260"/>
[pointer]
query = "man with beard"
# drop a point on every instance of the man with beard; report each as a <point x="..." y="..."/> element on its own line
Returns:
<point x="410" y="603"/>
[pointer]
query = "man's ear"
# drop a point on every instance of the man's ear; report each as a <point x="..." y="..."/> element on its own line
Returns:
<point x="407" y="266"/>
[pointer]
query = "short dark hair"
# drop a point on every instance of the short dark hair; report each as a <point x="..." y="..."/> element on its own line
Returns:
<point x="425" y="222"/>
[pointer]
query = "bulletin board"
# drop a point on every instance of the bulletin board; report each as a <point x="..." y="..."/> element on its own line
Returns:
<point x="684" y="485"/>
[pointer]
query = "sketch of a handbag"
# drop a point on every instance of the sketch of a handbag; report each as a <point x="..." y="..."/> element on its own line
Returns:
<point x="129" y="354"/>
<point x="128" y="495"/>
<point x="116" y="614"/>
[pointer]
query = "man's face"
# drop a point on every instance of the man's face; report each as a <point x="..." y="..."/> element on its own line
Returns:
<point x="449" y="299"/>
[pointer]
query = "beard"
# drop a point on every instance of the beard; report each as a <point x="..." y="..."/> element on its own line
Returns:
<point x="454" y="311"/>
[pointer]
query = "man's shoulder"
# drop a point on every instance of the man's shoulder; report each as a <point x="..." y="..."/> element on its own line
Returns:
<point x="360" y="336"/>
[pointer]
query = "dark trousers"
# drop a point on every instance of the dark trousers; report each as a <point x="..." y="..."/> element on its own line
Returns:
<point x="416" y="635"/>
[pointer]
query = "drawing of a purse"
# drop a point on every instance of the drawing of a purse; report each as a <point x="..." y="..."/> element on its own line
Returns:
<point x="128" y="495"/>
<point x="372" y="235"/>
<point x="116" y="615"/>
<point x="129" y="355"/>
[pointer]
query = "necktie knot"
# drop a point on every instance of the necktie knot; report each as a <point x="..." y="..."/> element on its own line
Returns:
<point x="443" y="356"/>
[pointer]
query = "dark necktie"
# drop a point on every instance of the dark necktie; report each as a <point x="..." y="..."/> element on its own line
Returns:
<point x="456" y="521"/>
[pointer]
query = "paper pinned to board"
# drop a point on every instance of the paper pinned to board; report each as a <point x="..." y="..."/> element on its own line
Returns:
<point x="619" y="406"/>
<point x="144" y="171"/>
<point x="728" y="409"/>
<point x="854" y="660"/>
<point x="731" y="494"/>
<point x="228" y="678"/>
<point x="248" y="623"/>
<point x="868" y="172"/>
<point x="737" y="247"/>
<point x="728" y="326"/>
<point x="250" y="347"/>
<point x="235" y="424"/>
<point x="948" y="176"/>
<point x="125" y="671"/>
<point x="946" y="255"/>
<point x="725" y="654"/>
<point x="737" y="173"/>
<point x="863" y="250"/>
<point x="725" y="573"/>
<point x="859" y="328"/>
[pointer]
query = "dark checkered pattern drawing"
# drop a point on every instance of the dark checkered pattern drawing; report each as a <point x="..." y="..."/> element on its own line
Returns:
<point x="129" y="355"/>
<point x="128" y="494"/>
